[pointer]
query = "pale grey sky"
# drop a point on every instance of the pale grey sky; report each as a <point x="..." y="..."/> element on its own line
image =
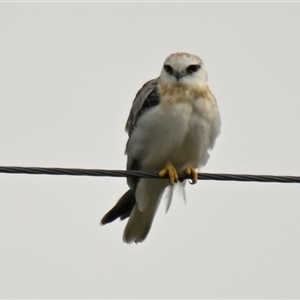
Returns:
<point x="69" y="73"/>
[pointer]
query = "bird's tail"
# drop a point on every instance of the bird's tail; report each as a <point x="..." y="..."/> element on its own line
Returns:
<point x="122" y="209"/>
<point x="148" y="195"/>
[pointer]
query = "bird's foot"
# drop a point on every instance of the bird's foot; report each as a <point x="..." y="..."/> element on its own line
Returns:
<point x="192" y="173"/>
<point x="171" y="171"/>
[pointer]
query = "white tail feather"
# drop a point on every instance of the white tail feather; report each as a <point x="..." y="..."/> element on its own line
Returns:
<point x="148" y="196"/>
<point x="175" y="190"/>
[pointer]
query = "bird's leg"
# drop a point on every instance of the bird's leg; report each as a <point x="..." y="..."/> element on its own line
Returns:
<point x="193" y="174"/>
<point x="171" y="171"/>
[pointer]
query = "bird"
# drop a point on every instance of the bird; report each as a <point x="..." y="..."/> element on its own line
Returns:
<point x="172" y="125"/>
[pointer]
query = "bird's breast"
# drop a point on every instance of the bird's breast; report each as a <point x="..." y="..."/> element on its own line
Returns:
<point x="174" y="93"/>
<point x="188" y="100"/>
<point x="177" y="130"/>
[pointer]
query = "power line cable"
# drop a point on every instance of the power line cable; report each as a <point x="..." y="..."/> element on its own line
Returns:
<point x="142" y="174"/>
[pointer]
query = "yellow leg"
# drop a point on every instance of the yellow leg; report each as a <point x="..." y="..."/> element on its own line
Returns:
<point x="193" y="174"/>
<point x="171" y="171"/>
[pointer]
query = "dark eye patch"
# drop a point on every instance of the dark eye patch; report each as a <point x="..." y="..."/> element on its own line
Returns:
<point x="168" y="69"/>
<point x="192" y="69"/>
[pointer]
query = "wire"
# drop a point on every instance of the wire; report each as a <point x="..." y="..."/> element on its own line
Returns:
<point x="141" y="174"/>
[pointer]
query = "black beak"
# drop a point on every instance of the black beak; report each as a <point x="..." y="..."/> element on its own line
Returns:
<point x="178" y="75"/>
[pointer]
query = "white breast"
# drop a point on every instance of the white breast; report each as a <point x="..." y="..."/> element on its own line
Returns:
<point x="180" y="132"/>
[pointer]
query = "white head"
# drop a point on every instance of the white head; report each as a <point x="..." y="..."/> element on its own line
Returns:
<point x="183" y="68"/>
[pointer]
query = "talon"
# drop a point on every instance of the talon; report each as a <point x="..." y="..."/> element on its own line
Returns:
<point x="193" y="174"/>
<point x="171" y="171"/>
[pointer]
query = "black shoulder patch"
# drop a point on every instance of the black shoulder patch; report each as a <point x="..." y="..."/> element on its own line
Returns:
<point x="152" y="100"/>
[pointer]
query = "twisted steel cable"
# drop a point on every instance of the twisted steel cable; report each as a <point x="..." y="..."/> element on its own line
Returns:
<point x="121" y="173"/>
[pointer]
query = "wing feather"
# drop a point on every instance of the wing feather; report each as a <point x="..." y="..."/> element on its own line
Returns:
<point x="145" y="98"/>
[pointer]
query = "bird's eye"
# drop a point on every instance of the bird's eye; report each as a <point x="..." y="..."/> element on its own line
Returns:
<point x="192" y="69"/>
<point x="168" y="69"/>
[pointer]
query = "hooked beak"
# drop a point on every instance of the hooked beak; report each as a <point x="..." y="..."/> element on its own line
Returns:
<point x="178" y="75"/>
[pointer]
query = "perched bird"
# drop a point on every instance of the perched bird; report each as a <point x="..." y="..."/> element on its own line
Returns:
<point x="173" y="122"/>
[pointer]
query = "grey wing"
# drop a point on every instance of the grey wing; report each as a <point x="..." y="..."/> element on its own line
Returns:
<point x="141" y="98"/>
<point x="146" y="98"/>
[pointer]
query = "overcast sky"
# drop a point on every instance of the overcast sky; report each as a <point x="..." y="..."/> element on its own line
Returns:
<point x="69" y="73"/>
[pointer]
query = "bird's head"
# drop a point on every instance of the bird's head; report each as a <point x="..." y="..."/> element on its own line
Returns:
<point x="183" y="68"/>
